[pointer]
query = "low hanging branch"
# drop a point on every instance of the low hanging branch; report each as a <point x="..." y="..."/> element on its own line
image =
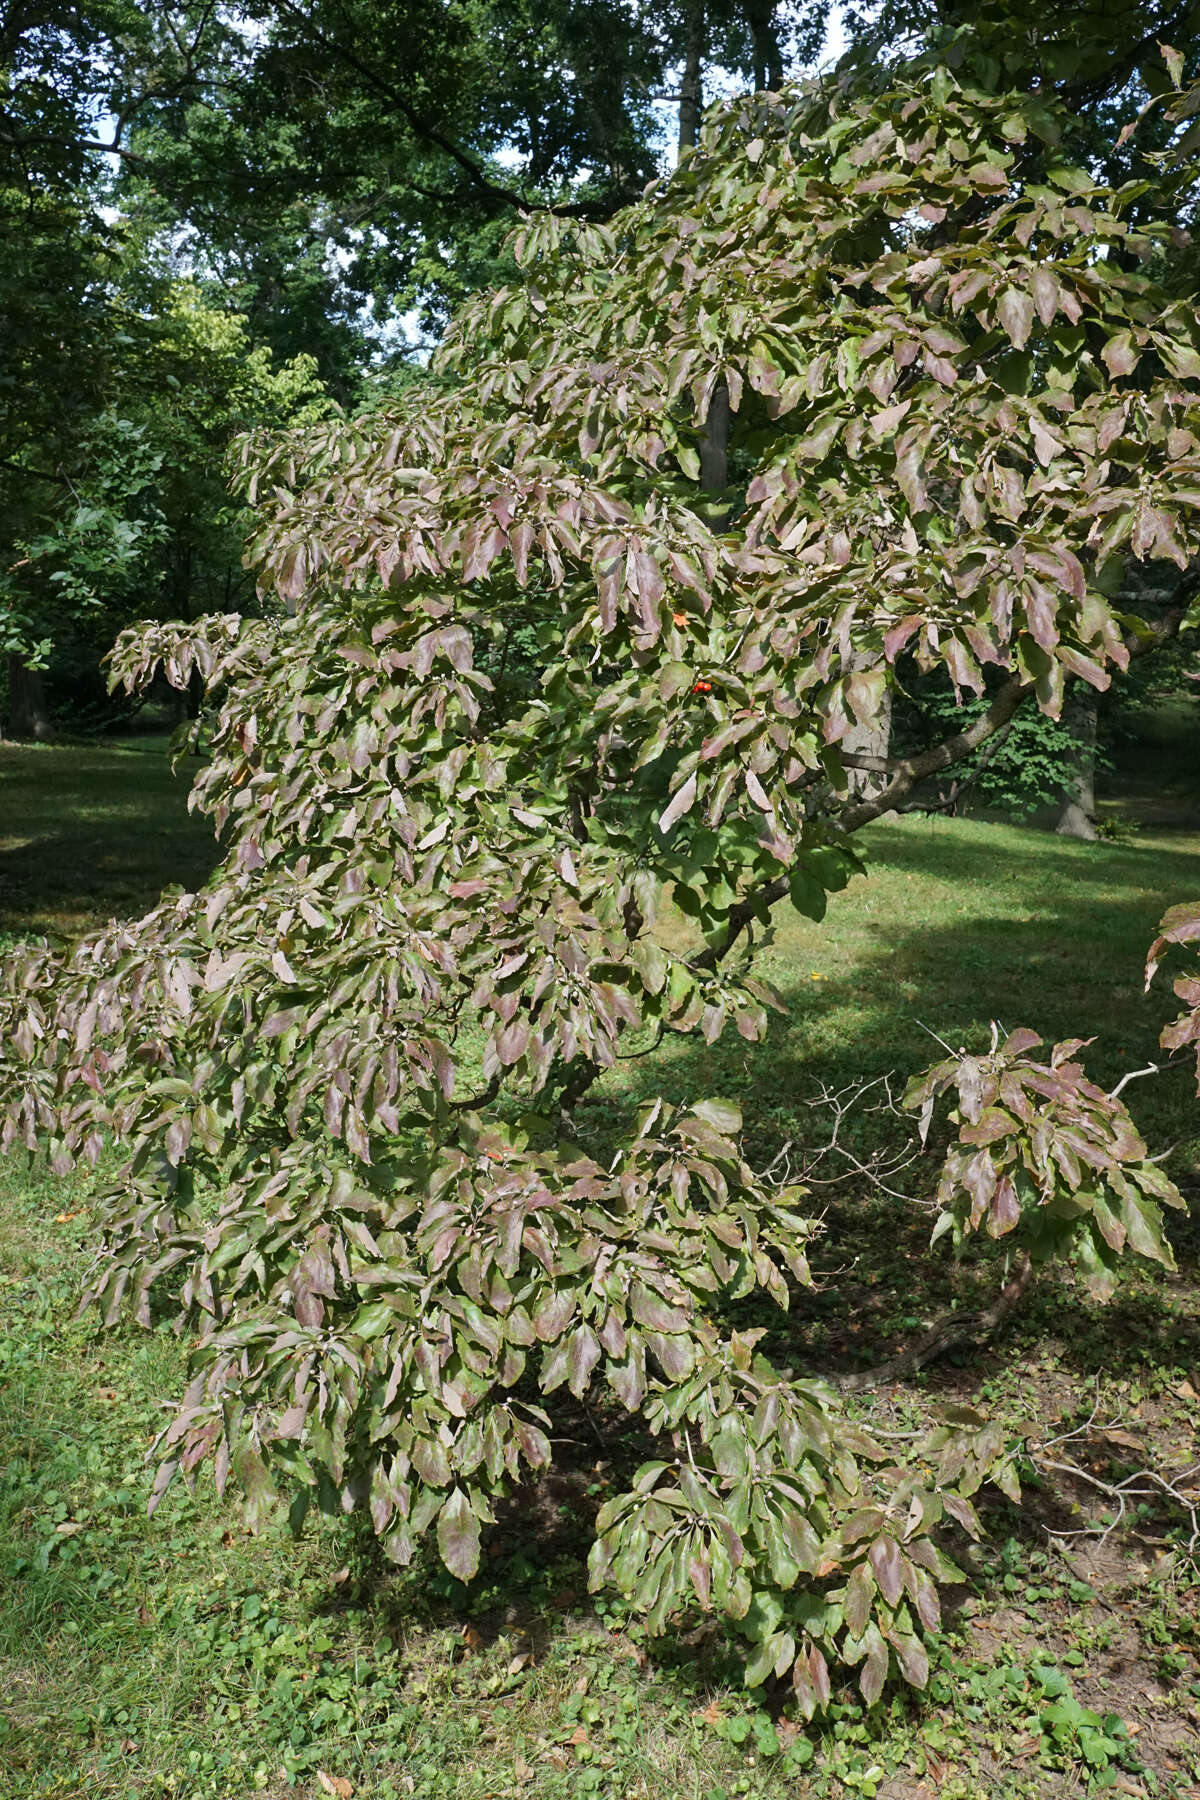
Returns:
<point x="950" y="1332"/>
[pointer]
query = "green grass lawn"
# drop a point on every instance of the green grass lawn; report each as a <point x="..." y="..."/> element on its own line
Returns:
<point x="93" y="831"/>
<point x="178" y="1656"/>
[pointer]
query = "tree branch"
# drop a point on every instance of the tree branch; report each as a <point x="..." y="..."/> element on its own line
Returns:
<point x="56" y="143"/>
<point x="422" y="128"/>
<point x="908" y="771"/>
<point x="950" y="1330"/>
<point x="1088" y="90"/>
<point x="34" y="474"/>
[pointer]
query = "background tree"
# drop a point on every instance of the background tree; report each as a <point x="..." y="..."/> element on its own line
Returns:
<point x="290" y="164"/>
<point x="131" y="516"/>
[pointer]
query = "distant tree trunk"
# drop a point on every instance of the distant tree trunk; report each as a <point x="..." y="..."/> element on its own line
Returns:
<point x="768" y="58"/>
<point x="1078" y="816"/>
<point x="714" y="442"/>
<point x="690" y="97"/>
<point x="27" y="713"/>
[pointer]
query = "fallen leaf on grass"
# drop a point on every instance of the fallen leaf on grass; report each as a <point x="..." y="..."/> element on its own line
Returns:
<point x="1125" y="1438"/>
<point x="472" y="1639"/>
<point x="712" y="1713"/>
<point x="517" y="1663"/>
<point x="336" y="1785"/>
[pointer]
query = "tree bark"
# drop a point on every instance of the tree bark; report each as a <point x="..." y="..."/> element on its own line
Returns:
<point x="1078" y="816"/>
<point x="768" y="58"/>
<point x="873" y="740"/>
<point x="690" y="95"/>
<point x="28" y="717"/>
<point x="714" y="442"/>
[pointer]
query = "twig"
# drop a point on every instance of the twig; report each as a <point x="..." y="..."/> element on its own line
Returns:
<point x="1134" y="1075"/>
<point x="1142" y="1484"/>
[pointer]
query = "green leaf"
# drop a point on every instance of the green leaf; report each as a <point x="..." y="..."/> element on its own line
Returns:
<point x="806" y="894"/>
<point x="458" y="1536"/>
<point x="724" y="1116"/>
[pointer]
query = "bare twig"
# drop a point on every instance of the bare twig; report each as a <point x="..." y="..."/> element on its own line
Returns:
<point x="1134" y="1075"/>
<point x="1142" y="1484"/>
<point x="880" y="1169"/>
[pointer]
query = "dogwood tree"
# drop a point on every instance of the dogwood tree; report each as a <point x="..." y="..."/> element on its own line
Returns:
<point x="875" y="373"/>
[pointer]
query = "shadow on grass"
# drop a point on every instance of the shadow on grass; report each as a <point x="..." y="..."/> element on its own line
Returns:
<point x="89" y="833"/>
<point x="957" y="925"/>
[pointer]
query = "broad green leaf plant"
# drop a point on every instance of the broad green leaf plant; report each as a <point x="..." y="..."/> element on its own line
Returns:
<point x="875" y="370"/>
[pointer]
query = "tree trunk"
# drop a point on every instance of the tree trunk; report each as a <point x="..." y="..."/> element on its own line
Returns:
<point x="1078" y="816"/>
<point x="27" y="713"/>
<point x="768" y="58"/>
<point x="874" y="740"/>
<point x="714" y="442"/>
<point x="690" y="96"/>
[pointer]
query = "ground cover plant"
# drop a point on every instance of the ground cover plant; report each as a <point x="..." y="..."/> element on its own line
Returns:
<point x="861" y="385"/>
